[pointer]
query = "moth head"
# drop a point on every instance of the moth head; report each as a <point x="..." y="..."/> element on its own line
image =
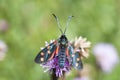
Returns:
<point x="63" y="40"/>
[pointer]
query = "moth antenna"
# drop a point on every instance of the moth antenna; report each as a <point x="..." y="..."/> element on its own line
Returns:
<point x="57" y="20"/>
<point x="68" y="21"/>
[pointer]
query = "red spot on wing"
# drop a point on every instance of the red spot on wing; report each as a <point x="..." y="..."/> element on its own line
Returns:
<point x="57" y="50"/>
<point x="55" y="42"/>
<point x="52" y="56"/>
<point x="67" y="53"/>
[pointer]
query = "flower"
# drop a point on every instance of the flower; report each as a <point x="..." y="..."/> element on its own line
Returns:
<point x="106" y="56"/>
<point x="53" y="64"/>
<point x="3" y="50"/>
<point x="3" y="25"/>
<point x="81" y="45"/>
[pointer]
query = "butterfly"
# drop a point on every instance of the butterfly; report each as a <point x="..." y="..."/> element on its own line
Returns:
<point x="61" y="48"/>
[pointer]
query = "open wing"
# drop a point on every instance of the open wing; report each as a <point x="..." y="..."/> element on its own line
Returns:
<point x="76" y="61"/>
<point x="47" y="53"/>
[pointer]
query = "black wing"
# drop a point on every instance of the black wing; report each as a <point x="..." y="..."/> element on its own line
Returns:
<point x="47" y="53"/>
<point x="76" y="61"/>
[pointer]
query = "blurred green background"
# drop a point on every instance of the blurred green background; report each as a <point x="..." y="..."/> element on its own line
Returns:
<point x="30" y="24"/>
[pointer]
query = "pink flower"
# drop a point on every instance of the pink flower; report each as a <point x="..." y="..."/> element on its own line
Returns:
<point x="53" y="65"/>
<point x="3" y="50"/>
<point x="82" y="78"/>
<point x="82" y="46"/>
<point x="106" y="56"/>
<point x="3" y="25"/>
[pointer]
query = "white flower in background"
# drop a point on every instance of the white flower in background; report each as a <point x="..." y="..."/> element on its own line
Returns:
<point x="81" y="45"/>
<point x="106" y="56"/>
<point x="3" y="25"/>
<point x="3" y="50"/>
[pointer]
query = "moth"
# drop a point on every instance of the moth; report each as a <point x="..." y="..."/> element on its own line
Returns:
<point x="61" y="48"/>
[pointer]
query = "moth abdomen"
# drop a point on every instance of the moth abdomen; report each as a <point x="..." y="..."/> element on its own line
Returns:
<point x="61" y="58"/>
